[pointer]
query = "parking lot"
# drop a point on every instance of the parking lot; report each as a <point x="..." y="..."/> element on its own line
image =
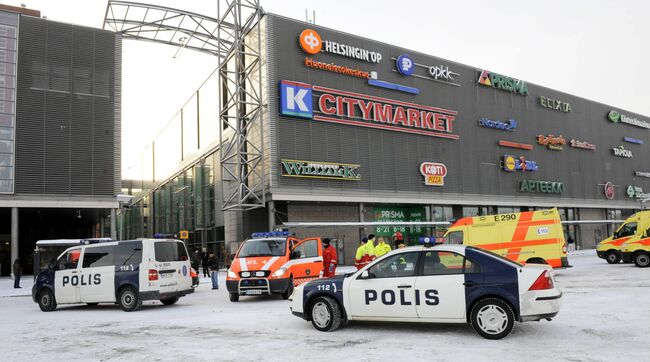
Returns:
<point x="605" y="316"/>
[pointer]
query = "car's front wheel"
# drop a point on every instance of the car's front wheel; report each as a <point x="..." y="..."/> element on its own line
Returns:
<point x="612" y="257"/>
<point x="46" y="300"/>
<point x="234" y="297"/>
<point x="642" y="259"/>
<point x="492" y="318"/>
<point x="326" y="314"/>
<point x="287" y="293"/>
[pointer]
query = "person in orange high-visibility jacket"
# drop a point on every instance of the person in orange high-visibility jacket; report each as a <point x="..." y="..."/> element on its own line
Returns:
<point x="361" y="258"/>
<point x="329" y="259"/>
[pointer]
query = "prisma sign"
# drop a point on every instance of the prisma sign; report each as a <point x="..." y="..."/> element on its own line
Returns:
<point x="343" y="107"/>
<point x="434" y="173"/>
<point x="311" y="42"/>
<point x="494" y="80"/>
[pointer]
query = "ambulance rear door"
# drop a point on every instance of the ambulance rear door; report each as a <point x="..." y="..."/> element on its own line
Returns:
<point x="306" y="259"/>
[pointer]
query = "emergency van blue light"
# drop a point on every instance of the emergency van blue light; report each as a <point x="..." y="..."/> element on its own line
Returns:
<point x="270" y="234"/>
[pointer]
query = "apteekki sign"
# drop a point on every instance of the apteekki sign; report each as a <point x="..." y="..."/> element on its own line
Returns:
<point x="547" y="187"/>
<point x="324" y="170"/>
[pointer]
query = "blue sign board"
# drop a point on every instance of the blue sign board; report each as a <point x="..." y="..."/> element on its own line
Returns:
<point x="506" y="126"/>
<point x="295" y="99"/>
<point x="405" y="65"/>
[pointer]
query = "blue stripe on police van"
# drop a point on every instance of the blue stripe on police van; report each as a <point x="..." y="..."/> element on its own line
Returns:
<point x="393" y="86"/>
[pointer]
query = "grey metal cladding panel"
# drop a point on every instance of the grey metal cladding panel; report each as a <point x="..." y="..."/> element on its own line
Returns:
<point x="272" y="95"/>
<point x="57" y="144"/>
<point x="81" y="150"/>
<point x="117" y="115"/>
<point x="390" y="160"/>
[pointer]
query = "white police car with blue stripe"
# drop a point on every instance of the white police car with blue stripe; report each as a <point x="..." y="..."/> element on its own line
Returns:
<point x="438" y="284"/>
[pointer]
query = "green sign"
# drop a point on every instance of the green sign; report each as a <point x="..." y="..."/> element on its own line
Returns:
<point x="494" y="80"/>
<point x="636" y="192"/>
<point x="547" y="187"/>
<point x="324" y="170"/>
<point x="614" y="116"/>
<point x="555" y="104"/>
<point x="397" y="214"/>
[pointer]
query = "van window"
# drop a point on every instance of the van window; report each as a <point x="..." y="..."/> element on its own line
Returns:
<point x="308" y="249"/>
<point x="128" y="253"/>
<point x="69" y="260"/>
<point x="628" y="229"/>
<point x="455" y="238"/>
<point x="99" y="256"/>
<point x="170" y="251"/>
<point x="263" y="247"/>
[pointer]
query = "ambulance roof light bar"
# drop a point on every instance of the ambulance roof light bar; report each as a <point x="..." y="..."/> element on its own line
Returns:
<point x="270" y="234"/>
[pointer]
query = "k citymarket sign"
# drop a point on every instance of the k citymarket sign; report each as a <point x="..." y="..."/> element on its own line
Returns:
<point x="323" y="170"/>
<point x="311" y="43"/>
<point x="554" y="104"/>
<point x="498" y="81"/>
<point x="616" y="117"/>
<point x="361" y="110"/>
<point x="434" y="173"/>
<point x="536" y="186"/>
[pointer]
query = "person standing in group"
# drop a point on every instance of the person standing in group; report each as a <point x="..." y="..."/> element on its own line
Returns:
<point x="204" y="263"/>
<point x="213" y="265"/>
<point x="382" y="248"/>
<point x="361" y="257"/>
<point x="397" y="239"/>
<point x="370" y="248"/>
<point x="196" y="260"/>
<point x="329" y="259"/>
<point x="18" y="271"/>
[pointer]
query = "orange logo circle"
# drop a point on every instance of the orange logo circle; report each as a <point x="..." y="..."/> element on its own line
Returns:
<point x="310" y="41"/>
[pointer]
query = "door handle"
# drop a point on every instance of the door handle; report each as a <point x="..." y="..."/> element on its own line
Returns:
<point x="469" y="284"/>
<point x="73" y="272"/>
<point x="404" y="286"/>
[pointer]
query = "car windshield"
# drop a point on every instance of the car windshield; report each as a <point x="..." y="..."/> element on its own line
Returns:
<point x="263" y="247"/>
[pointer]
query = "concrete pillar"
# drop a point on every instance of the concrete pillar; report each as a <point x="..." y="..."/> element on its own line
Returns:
<point x="102" y="224"/>
<point x="113" y="225"/>
<point x="14" y="239"/>
<point x="271" y="211"/>
<point x="233" y="230"/>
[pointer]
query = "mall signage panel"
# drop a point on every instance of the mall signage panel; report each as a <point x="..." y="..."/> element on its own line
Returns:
<point x="498" y="81"/>
<point x="322" y="170"/>
<point x="633" y="140"/>
<point x="620" y="151"/>
<point x="609" y="190"/>
<point x="434" y="173"/>
<point x="512" y="164"/>
<point x="406" y="66"/>
<point x="616" y="116"/>
<point x="522" y="146"/>
<point x="551" y="141"/>
<point x="554" y="104"/>
<point x="361" y="110"/>
<point x="510" y="125"/>
<point x="642" y="173"/>
<point x="312" y="43"/>
<point x="582" y="145"/>
<point x="636" y="192"/>
<point x="545" y="187"/>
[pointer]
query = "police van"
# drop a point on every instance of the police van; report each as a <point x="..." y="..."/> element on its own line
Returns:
<point x="121" y="272"/>
<point x="434" y="284"/>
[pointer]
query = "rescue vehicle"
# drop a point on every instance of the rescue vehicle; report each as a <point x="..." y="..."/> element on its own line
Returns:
<point x="122" y="272"/>
<point x="524" y="237"/>
<point x="273" y="263"/>
<point x="633" y="229"/>
<point x="434" y="284"/>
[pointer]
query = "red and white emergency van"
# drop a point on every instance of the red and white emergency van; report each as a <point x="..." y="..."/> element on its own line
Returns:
<point x="273" y="263"/>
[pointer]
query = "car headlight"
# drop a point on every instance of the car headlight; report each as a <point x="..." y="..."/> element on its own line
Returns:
<point x="231" y="274"/>
<point x="280" y="272"/>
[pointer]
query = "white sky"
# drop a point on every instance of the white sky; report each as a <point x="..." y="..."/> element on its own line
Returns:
<point x="599" y="50"/>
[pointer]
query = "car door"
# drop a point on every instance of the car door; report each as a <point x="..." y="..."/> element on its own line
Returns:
<point x="66" y="277"/>
<point x="440" y="286"/>
<point x="97" y="275"/>
<point x="388" y="290"/>
<point x="306" y="259"/>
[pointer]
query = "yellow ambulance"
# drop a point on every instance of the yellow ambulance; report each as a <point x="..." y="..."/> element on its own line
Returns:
<point x="525" y="237"/>
<point x="634" y="229"/>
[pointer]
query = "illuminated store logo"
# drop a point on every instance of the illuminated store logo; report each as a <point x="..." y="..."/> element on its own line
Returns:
<point x="636" y="192"/>
<point x="494" y="80"/>
<point x="349" y="108"/>
<point x="551" y="141"/>
<point x="642" y="174"/>
<point x="581" y="144"/>
<point x="609" y="190"/>
<point x="511" y="164"/>
<point x="620" y="151"/>
<point x="311" y="43"/>
<point x="335" y="68"/>
<point x="522" y="146"/>
<point x="323" y="170"/>
<point x="555" y="104"/>
<point x="633" y="140"/>
<point x="615" y="117"/>
<point x="440" y="73"/>
<point x="434" y="173"/>
<point x="496" y="124"/>
<point x="547" y="187"/>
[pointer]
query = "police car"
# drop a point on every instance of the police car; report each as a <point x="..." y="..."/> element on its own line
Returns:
<point x="436" y="284"/>
<point x="122" y="272"/>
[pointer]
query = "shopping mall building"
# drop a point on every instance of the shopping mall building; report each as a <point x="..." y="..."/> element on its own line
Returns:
<point x="355" y="130"/>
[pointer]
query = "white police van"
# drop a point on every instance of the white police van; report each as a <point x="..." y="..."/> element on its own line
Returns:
<point x="122" y="272"/>
<point x="434" y="284"/>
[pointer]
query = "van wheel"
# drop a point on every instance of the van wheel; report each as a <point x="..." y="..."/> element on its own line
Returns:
<point x="234" y="297"/>
<point x="492" y="318"/>
<point x="169" y="301"/>
<point x="46" y="301"/>
<point x="612" y="257"/>
<point x="287" y="293"/>
<point x="325" y="314"/>
<point x="129" y="299"/>
<point x="642" y="260"/>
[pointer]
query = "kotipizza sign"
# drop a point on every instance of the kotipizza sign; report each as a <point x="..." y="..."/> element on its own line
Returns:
<point x="434" y="173"/>
<point x="551" y="141"/>
<point x="362" y="110"/>
<point x="324" y="170"/>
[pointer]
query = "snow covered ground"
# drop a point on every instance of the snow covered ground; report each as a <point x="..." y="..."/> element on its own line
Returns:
<point x="605" y="317"/>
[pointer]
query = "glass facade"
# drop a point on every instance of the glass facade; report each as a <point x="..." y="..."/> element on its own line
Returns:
<point x="8" y="43"/>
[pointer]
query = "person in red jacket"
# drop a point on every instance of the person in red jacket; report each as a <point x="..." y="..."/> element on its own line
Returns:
<point x="329" y="259"/>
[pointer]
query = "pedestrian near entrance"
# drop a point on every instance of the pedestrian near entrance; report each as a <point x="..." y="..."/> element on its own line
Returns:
<point x="370" y="248"/>
<point x="196" y="260"/>
<point x="329" y="259"/>
<point x="397" y="239"/>
<point x="361" y="257"/>
<point x="382" y="248"/>
<point x="204" y="262"/>
<point x="571" y="244"/>
<point x="213" y="265"/>
<point x="18" y="271"/>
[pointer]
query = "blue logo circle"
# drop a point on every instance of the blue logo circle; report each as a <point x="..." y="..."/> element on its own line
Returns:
<point x="184" y="270"/>
<point x="405" y="65"/>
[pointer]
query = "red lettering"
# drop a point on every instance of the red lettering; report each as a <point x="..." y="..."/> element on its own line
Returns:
<point x="339" y="106"/>
<point x="350" y="102"/>
<point x="414" y="117"/>
<point x="399" y="116"/>
<point x="427" y="121"/>
<point x="366" y="108"/>
<point x="450" y="123"/>
<point x="324" y="107"/>
<point x="440" y="124"/>
<point x="383" y="112"/>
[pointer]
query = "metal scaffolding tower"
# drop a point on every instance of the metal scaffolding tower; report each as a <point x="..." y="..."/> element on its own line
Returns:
<point x="235" y="38"/>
